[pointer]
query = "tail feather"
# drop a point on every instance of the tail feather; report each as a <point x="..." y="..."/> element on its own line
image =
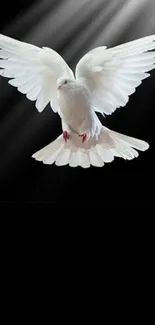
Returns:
<point x="135" y="143"/>
<point x="95" y="152"/>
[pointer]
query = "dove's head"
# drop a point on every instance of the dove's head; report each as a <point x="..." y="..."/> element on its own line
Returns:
<point x="65" y="83"/>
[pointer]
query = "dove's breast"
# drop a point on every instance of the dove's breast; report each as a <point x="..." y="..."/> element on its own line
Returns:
<point x="75" y="106"/>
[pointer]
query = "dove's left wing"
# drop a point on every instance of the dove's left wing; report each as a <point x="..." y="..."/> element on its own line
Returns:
<point x="113" y="74"/>
<point x="32" y="70"/>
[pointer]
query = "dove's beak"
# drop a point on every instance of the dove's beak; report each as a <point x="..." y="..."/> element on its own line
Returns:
<point x="59" y="87"/>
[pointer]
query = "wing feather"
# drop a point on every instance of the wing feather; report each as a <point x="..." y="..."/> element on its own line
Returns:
<point x="32" y="70"/>
<point x="112" y="75"/>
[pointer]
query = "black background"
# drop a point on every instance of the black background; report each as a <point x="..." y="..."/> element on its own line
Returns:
<point x="23" y="130"/>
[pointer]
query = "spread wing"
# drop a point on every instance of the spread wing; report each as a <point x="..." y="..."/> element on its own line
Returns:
<point x="113" y="74"/>
<point x="32" y="70"/>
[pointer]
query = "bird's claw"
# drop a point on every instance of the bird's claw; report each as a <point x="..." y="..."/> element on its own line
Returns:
<point x="65" y="136"/>
<point x="84" y="136"/>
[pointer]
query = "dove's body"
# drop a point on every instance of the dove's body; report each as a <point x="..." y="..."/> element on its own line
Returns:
<point x="76" y="111"/>
<point x="104" y="79"/>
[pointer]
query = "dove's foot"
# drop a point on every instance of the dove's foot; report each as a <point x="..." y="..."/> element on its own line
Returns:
<point x="65" y="136"/>
<point x="84" y="137"/>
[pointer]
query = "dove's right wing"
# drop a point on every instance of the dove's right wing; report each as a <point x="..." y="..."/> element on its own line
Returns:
<point x="33" y="70"/>
<point x="113" y="74"/>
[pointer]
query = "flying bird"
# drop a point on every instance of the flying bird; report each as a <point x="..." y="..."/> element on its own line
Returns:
<point x="103" y="81"/>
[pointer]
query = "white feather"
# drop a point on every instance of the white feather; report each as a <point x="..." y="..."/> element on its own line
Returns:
<point x="27" y="64"/>
<point x="105" y="154"/>
<point x="43" y="98"/>
<point x="34" y="92"/>
<point x="118" y="71"/>
<point x="73" y="159"/>
<point x="63" y="158"/>
<point x="21" y="80"/>
<point x="83" y="159"/>
<point x="95" y="159"/>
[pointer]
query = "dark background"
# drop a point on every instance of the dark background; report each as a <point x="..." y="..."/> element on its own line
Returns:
<point x="72" y="28"/>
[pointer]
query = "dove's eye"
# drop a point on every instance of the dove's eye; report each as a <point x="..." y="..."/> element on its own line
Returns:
<point x="65" y="82"/>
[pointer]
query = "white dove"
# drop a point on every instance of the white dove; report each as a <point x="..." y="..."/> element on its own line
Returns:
<point x="104" y="79"/>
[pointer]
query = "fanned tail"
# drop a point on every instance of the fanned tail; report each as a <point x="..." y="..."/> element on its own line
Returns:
<point x="95" y="151"/>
